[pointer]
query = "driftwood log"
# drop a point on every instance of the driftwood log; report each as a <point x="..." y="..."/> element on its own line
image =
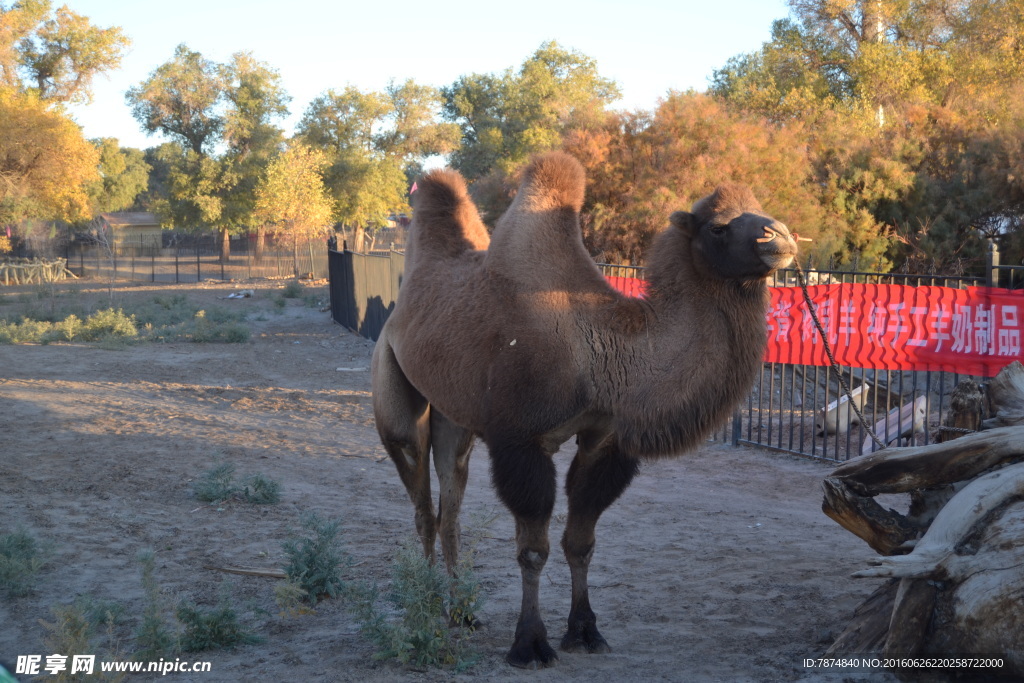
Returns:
<point x="955" y="560"/>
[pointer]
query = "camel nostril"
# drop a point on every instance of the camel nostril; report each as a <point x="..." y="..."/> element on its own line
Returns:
<point x="769" y="234"/>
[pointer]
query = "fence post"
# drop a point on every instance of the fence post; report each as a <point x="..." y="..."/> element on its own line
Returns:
<point x="737" y="427"/>
<point x="992" y="265"/>
<point x="199" y="270"/>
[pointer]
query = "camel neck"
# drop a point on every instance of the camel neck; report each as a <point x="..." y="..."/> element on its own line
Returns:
<point x="701" y="351"/>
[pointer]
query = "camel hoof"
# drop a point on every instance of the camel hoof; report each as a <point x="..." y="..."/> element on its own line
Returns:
<point x="585" y="640"/>
<point x="532" y="655"/>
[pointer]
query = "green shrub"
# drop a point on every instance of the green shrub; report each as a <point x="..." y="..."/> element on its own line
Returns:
<point x="315" y="560"/>
<point x="101" y="612"/>
<point x="70" y="633"/>
<point x="292" y="290"/>
<point x="216" y="484"/>
<point x="65" y="330"/>
<point x="155" y="637"/>
<point x="21" y="559"/>
<point x="108" y="323"/>
<point x="28" y="331"/>
<point x="290" y="597"/>
<point x="208" y="329"/>
<point x="212" y="629"/>
<point x="428" y="602"/>
<point x="261" y="490"/>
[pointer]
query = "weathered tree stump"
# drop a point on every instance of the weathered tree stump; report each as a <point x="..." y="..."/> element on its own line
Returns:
<point x="956" y="560"/>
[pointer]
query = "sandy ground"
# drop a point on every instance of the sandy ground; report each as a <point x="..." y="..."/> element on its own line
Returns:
<point x="715" y="566"/>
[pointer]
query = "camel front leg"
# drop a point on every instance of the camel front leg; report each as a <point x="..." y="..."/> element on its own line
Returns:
<point x="593" y="483"/>
<point x="524" y="477"/>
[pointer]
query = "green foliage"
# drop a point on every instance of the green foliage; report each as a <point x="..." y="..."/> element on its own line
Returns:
<point x="211" y="629"/>
<point x="101" y="612"/>
<point x="173" y="318"/>
<point x="108" y="323"/>
<point x="505" y="118"/>
<point x="373" y="142"/>
<point x="205" y="329"/>
<point x="55" y="54"/>
<point x="102" y="325"/>
<point x="220" y="118"/>
<point x="291" y="200"/>
<point x="73" y="632"/>
<point x="162" y="319"/>
<point x="914" y="121"/>
<point x="291" y="598"/>
<point x="292" y="290"/>
<point x="21" y="559"/>
<point x="261" y="490"/>
<point x="124" y="175"/>
<point x="70" y="633"/>
<point x="217" y="485"/>
<point x="156" y="637"/>
<point x="315" y="560"/>
<point x="428" y="601"/>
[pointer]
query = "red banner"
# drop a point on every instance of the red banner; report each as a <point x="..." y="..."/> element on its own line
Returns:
<point x="973" y="331"/>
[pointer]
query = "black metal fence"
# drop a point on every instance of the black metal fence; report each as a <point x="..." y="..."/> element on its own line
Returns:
<point x="194" y="259"/>
<point x="788" y="404"/>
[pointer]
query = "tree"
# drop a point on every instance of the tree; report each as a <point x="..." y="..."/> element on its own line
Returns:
<point x="912" y="106"/>
<point x="124" y="175"/>
<point x="45" y="163"/>
<point x="220" y="116"/>
<point x="291" y="200"/>
<point x="54" y="54"/>
<point x="374" y="142"/>
<point x="181" y="99"/>
<point x="643" y="166"/>
<point x="506" y="118"/>
<point x="47" y="58"/>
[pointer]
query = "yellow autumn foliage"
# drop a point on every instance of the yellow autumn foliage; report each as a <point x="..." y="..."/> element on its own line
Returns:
<point x="45" y="162"/>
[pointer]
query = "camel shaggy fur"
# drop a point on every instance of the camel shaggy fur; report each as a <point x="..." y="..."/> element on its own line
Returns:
<point x="520" y="341"/>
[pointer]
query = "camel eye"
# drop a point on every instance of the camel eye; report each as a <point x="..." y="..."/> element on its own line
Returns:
<point x="718" y="229"/>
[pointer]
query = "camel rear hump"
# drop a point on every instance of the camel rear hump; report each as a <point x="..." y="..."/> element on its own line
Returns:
<point x="445" y="220"/>
<point x="538" y="241"/>
<point x="553" y="181"/>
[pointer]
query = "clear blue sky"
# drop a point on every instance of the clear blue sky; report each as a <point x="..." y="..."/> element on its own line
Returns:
<point x="647" y="46"/>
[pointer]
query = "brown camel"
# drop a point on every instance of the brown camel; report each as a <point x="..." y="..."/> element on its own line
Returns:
<point x="524" y="344"/>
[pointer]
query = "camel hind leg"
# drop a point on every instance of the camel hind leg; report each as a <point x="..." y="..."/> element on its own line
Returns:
<point x="402" y="416"/>
<point x="451" y="445"/>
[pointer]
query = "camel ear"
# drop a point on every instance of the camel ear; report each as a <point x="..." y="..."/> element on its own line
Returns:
<point x="683" y="220"/>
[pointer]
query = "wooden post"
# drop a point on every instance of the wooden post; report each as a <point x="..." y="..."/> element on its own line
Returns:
<point x="992" y="269"/>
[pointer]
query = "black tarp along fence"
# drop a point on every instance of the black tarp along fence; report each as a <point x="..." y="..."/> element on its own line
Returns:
<point x="363" y="289"/>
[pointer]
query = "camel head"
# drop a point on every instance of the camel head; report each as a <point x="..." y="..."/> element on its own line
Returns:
<point x="732" y="238"/>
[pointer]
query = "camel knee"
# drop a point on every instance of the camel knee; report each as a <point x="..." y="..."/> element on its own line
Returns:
<point x="578" y="548"/>
<point x="532" y="559"/>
